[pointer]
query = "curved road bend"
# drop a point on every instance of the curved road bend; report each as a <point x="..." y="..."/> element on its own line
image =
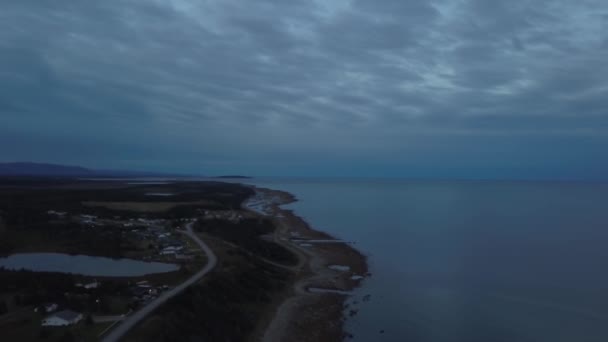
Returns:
<point x="130" y="321"/>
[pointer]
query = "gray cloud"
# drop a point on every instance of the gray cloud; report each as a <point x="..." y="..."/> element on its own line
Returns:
<point x="223" y="86"/>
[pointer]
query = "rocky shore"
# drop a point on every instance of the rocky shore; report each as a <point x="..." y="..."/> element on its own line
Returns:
<point x="327" y="271"/>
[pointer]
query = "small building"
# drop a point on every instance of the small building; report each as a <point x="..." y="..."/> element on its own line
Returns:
<point x="48" y="307"/>
<point x="139" y="291"/>
<point x="92" y="285"/>
<point x="60" y="214"/>
<point x="62" y="318"/>
<point x="171" y="250"/>
<point x="143" y="292"/>
<point x="168" y="252"/>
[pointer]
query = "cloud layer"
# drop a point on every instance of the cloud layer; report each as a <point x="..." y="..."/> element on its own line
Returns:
<point x="471" y="88"/>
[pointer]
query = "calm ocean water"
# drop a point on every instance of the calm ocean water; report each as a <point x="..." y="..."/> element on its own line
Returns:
<point x="470" y="261"/>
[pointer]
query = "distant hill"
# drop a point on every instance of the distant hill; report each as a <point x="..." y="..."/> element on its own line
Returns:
<point x="55" y="170"/>
<point x="39" y="169"/>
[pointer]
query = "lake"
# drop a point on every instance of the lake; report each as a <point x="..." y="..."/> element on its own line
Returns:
<point x="470" y="261"/>
<point x="84" y="265"/>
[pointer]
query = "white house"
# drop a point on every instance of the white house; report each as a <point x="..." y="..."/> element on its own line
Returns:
<point x="171" y="250"/>
<point x="92" y="285"/>
<point x="168" y="252"/>
<point x="62" y="318"/>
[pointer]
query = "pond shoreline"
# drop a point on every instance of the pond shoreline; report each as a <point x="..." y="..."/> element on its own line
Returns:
<point x="84" y="265"/>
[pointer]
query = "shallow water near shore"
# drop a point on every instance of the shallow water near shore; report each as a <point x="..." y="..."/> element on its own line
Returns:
<point x="469" y="261"/>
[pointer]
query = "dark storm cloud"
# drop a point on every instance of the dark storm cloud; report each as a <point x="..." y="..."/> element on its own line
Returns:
<point x="231" y="85"/>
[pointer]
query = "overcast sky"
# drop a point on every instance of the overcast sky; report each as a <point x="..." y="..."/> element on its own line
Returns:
<point x="411" y="88"/>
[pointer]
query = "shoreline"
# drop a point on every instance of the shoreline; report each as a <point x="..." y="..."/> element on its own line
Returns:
<point x="327" y="271"/>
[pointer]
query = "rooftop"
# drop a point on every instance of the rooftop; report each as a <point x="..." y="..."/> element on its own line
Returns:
<point x="67" y="315"/>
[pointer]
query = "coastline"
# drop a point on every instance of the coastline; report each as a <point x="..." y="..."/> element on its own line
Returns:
<point x="327" y="271"/>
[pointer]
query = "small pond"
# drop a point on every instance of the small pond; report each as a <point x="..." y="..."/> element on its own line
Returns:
<point x="84" y="264"/>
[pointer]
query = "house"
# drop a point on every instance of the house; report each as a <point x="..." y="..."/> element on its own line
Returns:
<point x="88" y="219"/>
<point x="143" y="292"/>
<point x="62" y="318"/>
<point x="48" y="307"/>
<point x="168" y="251"/>
<point x="60" y="214"/>
<point x="92" y="285"/>
<point x="139" y="292"/>
<point x="171" y="250"/>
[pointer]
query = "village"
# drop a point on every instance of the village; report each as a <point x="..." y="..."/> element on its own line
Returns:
<point x="157" y="239"/>
<point x="97" y="303"/>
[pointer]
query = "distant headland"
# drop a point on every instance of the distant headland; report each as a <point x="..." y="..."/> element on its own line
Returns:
<point x="234" y="177"/>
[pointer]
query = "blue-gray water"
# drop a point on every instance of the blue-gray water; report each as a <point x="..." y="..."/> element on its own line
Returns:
<point x="470" y="261"/>
<point x="84" y="264"/>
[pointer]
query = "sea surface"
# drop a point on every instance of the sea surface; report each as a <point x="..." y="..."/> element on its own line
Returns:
<point x="469" y="261"/>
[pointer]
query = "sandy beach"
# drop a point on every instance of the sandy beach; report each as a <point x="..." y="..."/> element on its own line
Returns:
<point x="328" y="269"/>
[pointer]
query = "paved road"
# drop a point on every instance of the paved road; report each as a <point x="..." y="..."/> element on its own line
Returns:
<point x="129" y="322"/>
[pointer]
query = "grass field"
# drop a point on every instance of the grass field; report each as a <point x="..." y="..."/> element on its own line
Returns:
<point x="145" y="207"/>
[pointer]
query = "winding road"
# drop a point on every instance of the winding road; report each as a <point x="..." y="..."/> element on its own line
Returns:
<point x="130" y="321"/>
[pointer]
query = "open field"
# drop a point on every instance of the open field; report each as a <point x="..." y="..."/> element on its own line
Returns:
<point x="147" y="207"/>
